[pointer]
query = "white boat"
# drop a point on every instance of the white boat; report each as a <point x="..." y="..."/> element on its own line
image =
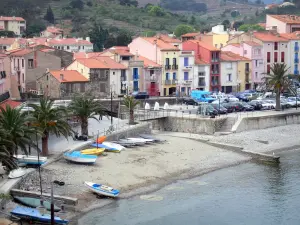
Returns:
<point x="16" y="173"/>
<point x="114" y="146"/>
<point x="77" y="157"/>
<point x="133" y="142"/>
<point x="141" y="140"/>
<point x="147" y="136"/>
<point x="102" y="189"/>
<point x="30" y="159"/>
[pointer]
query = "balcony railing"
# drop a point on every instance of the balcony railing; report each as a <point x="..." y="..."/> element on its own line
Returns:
<point x="167" y="82"/>
<point x="201" y="84"/>
<point x="214" y="83"/>
<point x="215" y="59"/>
<point x="174" y="82"/>
<point x="215" y="72"/>
<point x="174" y="67"/>
<point x="167" y="67"/>
<point x="296" y="48"/>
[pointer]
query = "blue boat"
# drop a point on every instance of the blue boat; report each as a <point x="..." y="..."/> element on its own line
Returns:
<point x="107" y="148"/>
<point x="31" y="214"/>
<point x="77" y="157"/>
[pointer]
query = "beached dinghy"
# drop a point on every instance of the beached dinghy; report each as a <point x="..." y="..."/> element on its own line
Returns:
<point x="146" y="136"/>
<point x="16" y="173"/>
<point x="112" y="145"/>
<point x="146" y="141"/>
<point x="108" y="148"/>
<point x="35" y="202"/>
<point x="93" y="151"/>
<point x="30" y="159"/>
<point x="77" y="157"/>
<point x="126" y="143"/>
<point x="134" y="142"/>
<point x="102" y="189"/>
<point x="31" y="214"/>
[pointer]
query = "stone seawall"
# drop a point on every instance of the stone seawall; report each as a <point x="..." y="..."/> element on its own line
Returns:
<point x="132" y="131"/>
<point x="188" y="125"/>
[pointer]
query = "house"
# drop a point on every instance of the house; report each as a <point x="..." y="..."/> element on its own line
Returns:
<point x="71" y="44"/>
<point x="283" y="23"/>
<point x="209" y="54"/>
<point x="162" y="53"/>
<point x="28" y="64"/>
<point x="52" y="32"/>
<point x="61" y="83"/>
<point x="105" y="75"/>
<point x="7" y="44"/>
<point x="14" y="24"/>
<point x="186" y="72"/>
<point x="190" y="36"/>
<point x="253" y="51"/>
<point x="201" y="75"/>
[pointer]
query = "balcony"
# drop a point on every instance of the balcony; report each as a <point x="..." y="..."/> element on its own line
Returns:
<point x="296" y="48"/>
<point x="247" y="71"/>
<point x="187" y="82"/>
<point x="296" y="72"/>
<point x="174" y="67"/>
<point x="167" y="67"/>
<point x="174" y="82"/>
<point x="215" y="59"/>
<point x="167" y="82"/>
<point x="201" y="84"/>
<point x="247" y="79"/>
<point x="215" y="72"/>
<point x="296" y="60"/>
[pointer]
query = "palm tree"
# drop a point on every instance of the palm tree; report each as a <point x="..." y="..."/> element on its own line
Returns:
<point x="277" y="80"/>
<point x="15" y="124"/>
<point x="48" y="119"/>
<point x="85" y="107"/>
<point x="6" y="151"/>
<point x="130" y="103"/>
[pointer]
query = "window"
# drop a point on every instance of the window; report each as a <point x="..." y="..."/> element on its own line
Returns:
<point x="30" y="63"/>
<point x="79" y="47"/>
<point x="268" y="69"/>
<point x="114" y="73"/>
<point x="245" y="52"/>
<point x="47" y="77"/>
<point x="174" y="61"/>
<point x="282" y="56"/>
<point x="201" y="74"/>
<point x="22" y="63"/>
<point x="268" y="56"/>
<point x="256" y="63"/>
<point x="256" y="75"/>
<point x="82" y="87"/>
<point x="68" y="47"/>
<point x="23" y="77"/>
<point x="135" y="73"/>
<point x="82" y="47"/>
<point x="186" y="61"/>
<point x="221" y="45"/>
<point x="102" y="87"/>
<point x="167" y="61"/>
<point x="229" y="77"/>
<point x="167" y="76"/>
<point x="81" y="71"/>
<point x="186" y="75"/>
<point x="275" y="56"/>
<point x="275" y="45"/>
<point x="18" y="63"/>
<point x="296" y="59"/>
<point x="296" y="71"/>
<point x="229" y="65"/>
<point x="174" y="76"/>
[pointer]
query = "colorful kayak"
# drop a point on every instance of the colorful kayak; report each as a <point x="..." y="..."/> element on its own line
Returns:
<point x="31" y="214"/>
<point x="107" y="148"/>
<point x="77" y="157"/>
<point x="114" y="146"/>
<point x="102" y="189"/>
<point x="93" y="151"/>
<point x="35" y="202"/>
<point x="100" y="139"/>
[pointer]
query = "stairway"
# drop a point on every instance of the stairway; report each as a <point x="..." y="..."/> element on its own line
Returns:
<point x="227" y="125"/>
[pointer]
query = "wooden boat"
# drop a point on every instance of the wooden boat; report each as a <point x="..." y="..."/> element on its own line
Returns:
<point x="102" y="189"/>
<point x="93" y="151"/>
<point x="30" y="159"/>
<point x="77" y="157"/>
<point x="155" y="139"/>
<point x="100" y="139"/>
<point x="112" y="145"/>
<point x="16" y="173"/>
<point x="35" y="202"/>
<point x="31" y="214"/>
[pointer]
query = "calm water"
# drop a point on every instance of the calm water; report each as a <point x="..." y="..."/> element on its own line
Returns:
<point x="244" y="195"/>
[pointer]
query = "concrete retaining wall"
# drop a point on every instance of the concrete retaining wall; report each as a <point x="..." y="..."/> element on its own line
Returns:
<point x="190" y="125"/>
<point x="262" y="122"/>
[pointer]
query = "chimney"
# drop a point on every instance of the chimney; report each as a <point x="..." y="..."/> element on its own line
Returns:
<point x="61" y="76"/>
<point x="136" y="54"/>
<point x="47" y="70"/>
<point x="88" y="39"/>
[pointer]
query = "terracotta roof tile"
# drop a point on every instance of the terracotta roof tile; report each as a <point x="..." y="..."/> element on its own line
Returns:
<point x="120" y="50"/>
<point x="230" y="56"/>
<point x="92" y="63"/>
<point x="160" y="43"/>
<point x="289" y="19"/>
<point x="11" y="103"/>
<point x="200" y="62"/>
<point x="190" y="35"/>
<point x="148" y="62"/>
<point x="205" y="45"/>
<point x="110" y="63"/>
<point x="68" y="76"/>
<point x="236" y="45"/>
<point x="7" y="41"/>
<point x="11" y="18"/>
<point x="168" y="39"/>
<point x="22" y="52"/>
<point x="84" y="55"/>
<point x="269" y="37"/>
<point x="252" y="43"/>
<point x="291" y="36"/>
<point x="262" y="25"/>
<point x="54" y="30"/>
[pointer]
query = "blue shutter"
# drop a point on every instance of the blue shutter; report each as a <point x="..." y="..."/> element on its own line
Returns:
<point x="135" y="73"/>
<point x="186" y="75"/>
<point x="174" y="76"/>
<point x="167" y="76"/>
<point x="186" y="61"/>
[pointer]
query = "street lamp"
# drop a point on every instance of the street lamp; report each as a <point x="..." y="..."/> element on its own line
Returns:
<point x="111" y="105"/>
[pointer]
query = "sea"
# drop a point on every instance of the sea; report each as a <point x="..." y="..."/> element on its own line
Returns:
<point x="248" y="194"/>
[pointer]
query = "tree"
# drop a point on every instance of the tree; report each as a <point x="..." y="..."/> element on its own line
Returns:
<point x="98" y="37"/>
<point x="35" y="29"/>
<point x="130" y="102"/>
<point x="7" y="33"/>
<point x="249" y="27"/>
<point x="123" y="38"/>
<point x="237" y="24"/>
<point x="156" y="11"/>
<point x="277" y="80"/>
<point x="193" y="20"/>
<point x="49" y="15"/>
<point x="77" y="4"/>
<point x="85" y="107"/>
<point x="48" y="119"/>
<point x="226" y="24"/>
<point x="18" y="131"/>
<point x="6" y="151"/>
<point x="235" y="13"/>
<point x="183" y="29"/>
<point x="148" y="33"/>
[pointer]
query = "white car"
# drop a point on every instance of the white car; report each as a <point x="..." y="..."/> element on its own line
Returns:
<point x="292" y="101"/>
<point x="268" y="104"/>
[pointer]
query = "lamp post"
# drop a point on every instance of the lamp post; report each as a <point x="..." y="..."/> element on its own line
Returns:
<point x="111" y="105"/>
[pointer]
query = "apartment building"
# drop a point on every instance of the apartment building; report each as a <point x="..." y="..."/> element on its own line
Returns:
<point x="52" y="32"/>
<point x="283" y="23"/>
<point x="14" y="24"/>
<point x="186" y="73"/>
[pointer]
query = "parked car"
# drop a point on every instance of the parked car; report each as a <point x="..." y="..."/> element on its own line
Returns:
<point x="232" y="98"/>
<point x="207" y="109"/>
<point x="268" y="104"/>
<point x="246" y="97"/>
<point x="221" y="109"/>
<point x="140" y="95"/>
<point x="293" y="101"/>
<point x="285" y="104"/>
<point x="189" y="101"/>
<point x="233" y="106"/>
<point x="246" y="107"/>
<point x="257" y="104"/>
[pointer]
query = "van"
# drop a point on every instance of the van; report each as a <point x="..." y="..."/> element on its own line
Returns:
<point x="202" y="96"/>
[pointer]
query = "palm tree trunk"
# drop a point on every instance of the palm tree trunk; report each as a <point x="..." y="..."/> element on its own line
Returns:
<point x="84" y="126"/>
<point x="278" y="108"/>
<point x="131" y="117"/>
<point x="45" y="139"/>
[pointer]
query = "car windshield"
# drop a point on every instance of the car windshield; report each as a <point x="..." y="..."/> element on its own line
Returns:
<point x="135" y="92"/>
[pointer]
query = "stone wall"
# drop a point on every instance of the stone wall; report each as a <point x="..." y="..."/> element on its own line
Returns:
<point x="189" y="125"/>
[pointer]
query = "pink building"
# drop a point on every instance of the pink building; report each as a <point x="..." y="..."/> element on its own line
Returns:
<point x="283" y="23"/>
<point x="253" y="51"/>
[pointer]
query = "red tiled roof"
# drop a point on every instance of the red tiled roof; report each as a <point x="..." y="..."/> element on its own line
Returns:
<point x="291" y="36"/>
<point x="100" y="62"/>
<point x="68" y="41"/>
<point x="7" y="41"/>
<point x="289" y="19"/>
<point x="167" y="38"/>
<point x="205" y="45"/>
<point x="200" y="62"/>
<point x="22" y="52"/>
<point x="84" y="55"/>
<point x="148" y="62"/>
<point x="8" y="18"/>
<point x="230" y="56"/>
<point x="236" y="45"/>
<point x="11" y="103"/>
<point x="54" y="30"/>
<point x="119" y="50"/>
<point x="252" y="43"/>
<point x="69" y="76"/>
<point x="190" y="35"/>
<point x="110" y="63"/>
<point x="269" y="37"/>
<point x="160" y="43"/>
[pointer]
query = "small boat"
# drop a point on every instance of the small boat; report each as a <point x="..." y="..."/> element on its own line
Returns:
<point x="31" y="214"/>
<point x="102" y="189"/>
<point x="30" y="159"/>
<point x="16" y="173"/>
<point x="77" y="157"/>
<point x="35" y="202"/>
<point x="147" y="140"/>
<point x="114" y="145"/>
<point x="133" y="142"/>
<point x="125" y="143"/>
<point x="141" y="140"/>
<point x="107" y="148"/>
<point x="93" y="151"/>
<point x="155" y="139"/>
<point x="100" y="139"/>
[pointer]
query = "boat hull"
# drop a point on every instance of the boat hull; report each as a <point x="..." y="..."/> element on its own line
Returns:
<point x="16" y="173"/>
<point x="77" y="157"/>
<point x="90" y="185"/>
<point x="30" y="160"/>
<point x="114" y="146"/>
<point x="34" y="202"/>
<point x="92" y="151"/>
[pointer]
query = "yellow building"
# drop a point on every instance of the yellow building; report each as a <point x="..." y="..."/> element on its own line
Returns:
<point x="14" y="24"/>
<point x="244" y="74"/>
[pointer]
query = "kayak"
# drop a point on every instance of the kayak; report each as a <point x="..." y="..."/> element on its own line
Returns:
<point x="102" y="189"/>
<point x="92" y="151"/>
<point x="77" y="157"/>
<point x="100" y="139"/>
<point x="35" y="202"/>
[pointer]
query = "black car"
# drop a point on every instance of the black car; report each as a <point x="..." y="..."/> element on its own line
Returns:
<point x="256" y="104"/>
<point x="208" y="110"/>
<point x="140" y="95"/>
<point x="221" y="109"/>
<point x="246" y="107"/>
<point x="189" y="101"/>
<point x="233" y="106"/>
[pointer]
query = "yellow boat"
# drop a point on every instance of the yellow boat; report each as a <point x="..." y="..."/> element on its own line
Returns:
<point x="93" y="151"/>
